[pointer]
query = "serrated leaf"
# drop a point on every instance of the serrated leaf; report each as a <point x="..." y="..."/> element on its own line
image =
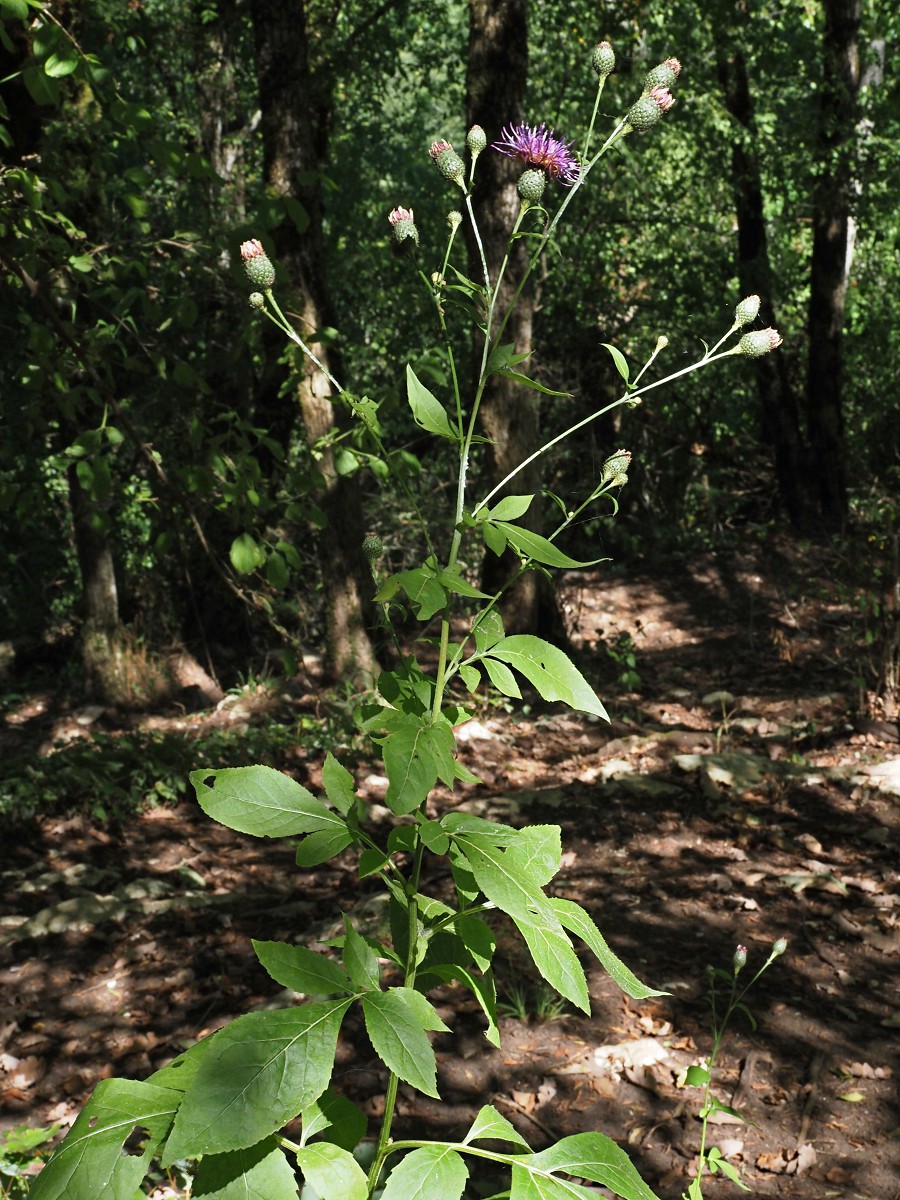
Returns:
<point x="260" y="1172"/>
<point x="591" y="1156"/>
<point x="336" y="1118"/>
<point x="536" y="1185"/>
<point x="502" y="678"/>
<point x="360" y="960"/>
<point x="106" y="1153"/>
<point x="490" y="1124"/>
<point x="338" y="784"/>
<point x="619" y="359"/>
<point x="554" y="957"/>
<point x="549" y="670"/>
<point x="482" y="988"/>
<point x="300" y="969"/>
<point x="261" y="1070"/>
<point x="510" y="508"/>
<point x="398" y="1036"/>
<point x="322" y="846"/>
<point x="332" y="1171"/>
<point x="180" y="1073"/>
<point x="430" y="1173"/>
<point x="415" y="757"/>
<point x="261" y="801"/>
<point x="433" y="835"/>
<point x="488" y="630"/>
<point x="428" y="412"/>
<point x="532" y="545"/>
<point x="577" y="921"/>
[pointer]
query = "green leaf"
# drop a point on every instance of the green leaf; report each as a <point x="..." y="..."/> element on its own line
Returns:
<point x="532" y="545"/>
<point x="489" y="1124"/>
<point x="505" y="356"/>
<point x="591" y="1156"/>
<point x="261" y="1070"/>
<point x="106" y="1153"/>
<point x="61" y="64"/>
<point x="360" y="960"/>
<point x="502" y="678"/>
<point x="15" y="8"/>
<point x="260" y="1172"/>
<point x="696" y="1076"/>
<point x="453" y="581"/>
<point x="470" y="676"/>
<point x="577" y="921"/>
<point x="338" y="784"/>
<point x="481" y="987"/>
<point x="180" y="1073"/>
<point x="261" y="801"/>
<point x="322" y="846"/>
<point x="398" y="1034"/>
<point x="619" y="359"/>
<point x="246" y="554"/>
<point x="549" y="670"/>
<point x="433" y="835"/>
<point x="300" y="969"/>
<point x="332" y="1171"/>
<point x="415" y="757"/>
<point x="336" y="1118"/>
<point x="488" y="630"/>
<point x="427" y="412"/>
<point x="494" y="538"/>
<point x="554" y="957"/>
<point x="527" y="381"/>
<point x="510" y="508"/>
<point x="430" y="1172"/>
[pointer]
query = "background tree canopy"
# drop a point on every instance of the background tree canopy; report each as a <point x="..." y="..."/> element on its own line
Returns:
<point x="169" y="475"/>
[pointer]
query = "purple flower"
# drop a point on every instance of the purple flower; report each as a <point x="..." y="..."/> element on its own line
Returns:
<point x="539" y="147"/>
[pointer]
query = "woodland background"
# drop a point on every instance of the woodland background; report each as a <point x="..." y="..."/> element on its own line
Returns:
<point x="182" y="505"/>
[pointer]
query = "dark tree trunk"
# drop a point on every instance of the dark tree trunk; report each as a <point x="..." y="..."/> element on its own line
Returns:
<point x="497" y="73"/>
<point x="295" y="117"/>
<point x="833" y="201"/>
<point x="778" y="401"/>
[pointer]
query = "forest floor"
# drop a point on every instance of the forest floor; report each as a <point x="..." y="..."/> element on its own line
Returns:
<point x="733" y="799"/>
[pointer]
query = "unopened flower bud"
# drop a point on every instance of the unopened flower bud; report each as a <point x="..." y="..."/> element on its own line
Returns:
<point x="759" y="342"/>
<point x="779" y="947"/>
<point x="740" y="958"/>
<point x="663" y="76"/>
<point x="615" y="469"/>
<point x="531" y="185"/>
<point x="257" y="300"/>
<point x="661" y="342"/>
<point x="259" y="269"/>
<point x="448" y="162"/>
<point x="476" y="140"/>
<point x="455" y="219"/>
<point x="404" y="226"/>
<point x="747" y="311"/>
<point x="603" y="60"/>
<point x="373" y="546"/>
<point x="648" y="109"/>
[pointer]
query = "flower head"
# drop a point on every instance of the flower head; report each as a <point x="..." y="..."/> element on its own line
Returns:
<point x="539" y="147"/>
<point x="646" y="112"/>
<point x="259" y="268"/>
<point x="603" y="59"/>
<point x="740" y="958"/>
<point x="404" y="227"/>
<point x="663" y="75"/>
<point x="747" y="311"/>
<point x="759" y="342"/>
<point x="476" y="140"/>
<point x="448" y="162"/>
<point x="615" y="469"/>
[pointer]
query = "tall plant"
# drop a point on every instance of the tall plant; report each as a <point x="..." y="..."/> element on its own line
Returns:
<point x="226" y="1100"/>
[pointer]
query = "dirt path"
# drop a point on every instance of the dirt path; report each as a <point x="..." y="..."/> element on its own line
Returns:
<point x="731" y="801"/>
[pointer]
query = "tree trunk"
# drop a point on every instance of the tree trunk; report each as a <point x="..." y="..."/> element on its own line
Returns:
<point x="107" y="676"/>
<point x="496" y="78"/>
<point x="780" y="411"/>
<point x="833" y="201"/>
<point x="295" y="116"/>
